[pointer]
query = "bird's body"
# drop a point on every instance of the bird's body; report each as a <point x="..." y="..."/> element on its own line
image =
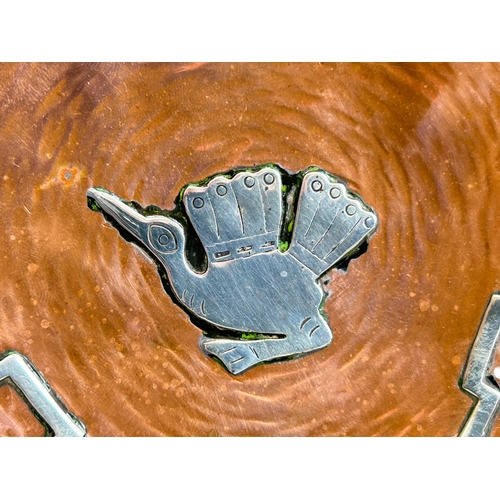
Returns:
<point x="240" y="295"/>
<point x="271" y="298"/>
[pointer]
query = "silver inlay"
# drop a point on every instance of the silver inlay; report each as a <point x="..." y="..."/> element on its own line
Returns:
<point x="268" y="295"/>
<point x="18" y="371"/>
<point x="478" y="381"/>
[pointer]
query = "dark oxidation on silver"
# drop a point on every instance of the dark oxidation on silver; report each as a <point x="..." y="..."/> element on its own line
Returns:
<point x="478" y="381"/>
<point x="18" y="371"/>
<point x="270" y="295"/>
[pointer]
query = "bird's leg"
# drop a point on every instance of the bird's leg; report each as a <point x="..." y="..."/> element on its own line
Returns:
<point x="240" y="355"/>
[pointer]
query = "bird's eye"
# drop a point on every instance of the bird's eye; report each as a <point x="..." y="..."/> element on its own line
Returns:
<point x="162" y="239"/>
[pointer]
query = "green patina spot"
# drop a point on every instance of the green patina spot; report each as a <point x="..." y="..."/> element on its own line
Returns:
<point x="93" y="205"/>
<point x="283" y="246"/>
<point x="254" y="336"/>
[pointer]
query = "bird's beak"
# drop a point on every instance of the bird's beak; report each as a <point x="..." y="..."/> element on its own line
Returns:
<point x="113" y="206"/>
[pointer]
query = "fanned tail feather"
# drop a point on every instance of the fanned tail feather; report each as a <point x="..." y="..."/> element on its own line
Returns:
<point x="331" y="223"/>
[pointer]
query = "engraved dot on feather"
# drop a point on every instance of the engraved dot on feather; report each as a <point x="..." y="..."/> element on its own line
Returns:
<point x="249" y="182"/>
<point x="198" y="203"/>
<point x="269" y="178"/>
<point x="317" y="186"/>
<point x="350" y="209"/>
<point x="369" y="222"/>
<point x="335" y="193"/>
<point x="221" y="190"/>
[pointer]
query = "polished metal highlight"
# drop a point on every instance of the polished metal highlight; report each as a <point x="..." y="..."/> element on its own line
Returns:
<point x="253" y="285"/>
<point x="478" y="382"/>
<point x="18" y="371"/>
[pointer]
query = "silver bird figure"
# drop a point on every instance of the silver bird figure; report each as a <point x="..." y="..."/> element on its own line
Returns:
<point x="258" y="295"/>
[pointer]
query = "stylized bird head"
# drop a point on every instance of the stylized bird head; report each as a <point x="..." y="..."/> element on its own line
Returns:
<point x="162" y="236"/>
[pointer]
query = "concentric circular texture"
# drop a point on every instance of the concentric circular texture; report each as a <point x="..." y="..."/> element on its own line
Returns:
<point x="419" y="143"/>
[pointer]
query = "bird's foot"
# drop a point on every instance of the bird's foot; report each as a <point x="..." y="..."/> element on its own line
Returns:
<point x="236" y="355"/>
<point x="240" y="355"/>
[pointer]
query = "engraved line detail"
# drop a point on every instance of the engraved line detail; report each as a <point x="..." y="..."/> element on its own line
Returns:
<point x="262" y="203"/>
<point x="328" y="229"/>
<point x="342" y="240"/>
<point x="239" y="210"/>
<point x="313" y="330"/>
<point x="236" y="360"/>
<point x="304" y="322"/>
<point x="254" y="351"/>
<point x="215" y="216"/>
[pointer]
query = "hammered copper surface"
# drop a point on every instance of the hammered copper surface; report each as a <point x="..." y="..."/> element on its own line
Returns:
<point x="16" y="418"/>
<point x="419" y="142"/>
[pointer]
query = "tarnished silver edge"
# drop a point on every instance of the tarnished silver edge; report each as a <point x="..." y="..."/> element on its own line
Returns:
<point x="18" y="371"/>
<point x="475" y="381"/>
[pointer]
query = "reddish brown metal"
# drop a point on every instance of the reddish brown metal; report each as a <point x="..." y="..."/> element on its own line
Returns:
<point x="16" y="418"/>
<point x="419" y="142"/>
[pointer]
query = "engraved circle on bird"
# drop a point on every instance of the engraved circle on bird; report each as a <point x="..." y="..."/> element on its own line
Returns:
<point x="257" y="291"/>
